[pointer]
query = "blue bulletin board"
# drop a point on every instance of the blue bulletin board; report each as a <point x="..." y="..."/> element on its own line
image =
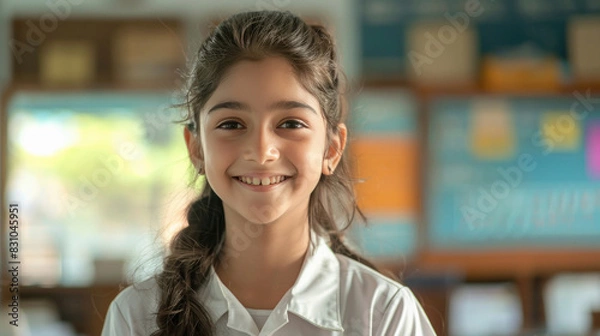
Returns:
<point x="516" y="171"/>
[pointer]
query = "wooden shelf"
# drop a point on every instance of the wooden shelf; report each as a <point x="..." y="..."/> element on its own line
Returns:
<point x="483" y="265"/>
<point x="474" y="88"/>
<point x="32" y="86"/>
<point x="83" y="307"/>
<point x="101" y="52"/>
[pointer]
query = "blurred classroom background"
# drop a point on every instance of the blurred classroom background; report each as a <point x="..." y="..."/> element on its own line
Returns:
<point x="475" y="128"/>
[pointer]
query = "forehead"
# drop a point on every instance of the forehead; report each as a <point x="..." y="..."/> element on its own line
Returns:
<point x="272" y="64"/>
<point x="262" y="82"/>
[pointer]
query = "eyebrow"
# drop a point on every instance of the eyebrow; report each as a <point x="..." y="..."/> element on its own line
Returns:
<point x="280" y="105"/>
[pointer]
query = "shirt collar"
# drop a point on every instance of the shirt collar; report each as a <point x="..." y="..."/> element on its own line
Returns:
<point x="314" y="297"/>
<point x="213" y="297"/>
<point x="316" y="294"/>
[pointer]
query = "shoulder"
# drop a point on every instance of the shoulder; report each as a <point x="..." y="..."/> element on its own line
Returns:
<point x="356" y="274"/>
<point x="132" y="312"/>
<point x="361" y="285"/>
<point x="388" y="304"/>
<point x="142" y="294"/>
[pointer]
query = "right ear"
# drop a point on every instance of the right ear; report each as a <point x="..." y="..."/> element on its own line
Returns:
<point x="194" y="148"/>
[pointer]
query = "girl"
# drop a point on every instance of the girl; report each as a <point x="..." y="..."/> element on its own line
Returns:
<point x="262" y="254"/>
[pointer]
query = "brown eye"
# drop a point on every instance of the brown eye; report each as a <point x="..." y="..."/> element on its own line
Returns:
<point x="230" y="125"/>
<point x="293" y="124"/>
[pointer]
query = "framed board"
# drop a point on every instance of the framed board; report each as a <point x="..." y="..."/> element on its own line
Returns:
<point x="513" y="172"/>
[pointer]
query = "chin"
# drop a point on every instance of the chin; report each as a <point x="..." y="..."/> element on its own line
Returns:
<point x="261" y="220"/>
<point x="263" y="214"/>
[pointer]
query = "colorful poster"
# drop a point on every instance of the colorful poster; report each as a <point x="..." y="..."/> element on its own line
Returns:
<point x="546" y="193"/>
<point x="387" y="169"/>
<point x="384" y="151"/>
<point x="593" y="150"/>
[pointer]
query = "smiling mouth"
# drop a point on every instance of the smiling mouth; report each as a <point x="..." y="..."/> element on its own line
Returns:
<point x="265" y="181"/>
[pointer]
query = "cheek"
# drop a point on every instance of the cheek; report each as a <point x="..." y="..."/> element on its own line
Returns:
<point x="217" y="157"/>
<point x="315" y="161"/>
<point x="312" y="161"/>
<point x="217" y="150"/>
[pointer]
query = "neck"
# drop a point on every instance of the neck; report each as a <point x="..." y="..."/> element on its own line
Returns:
<point x="261" y="262"/>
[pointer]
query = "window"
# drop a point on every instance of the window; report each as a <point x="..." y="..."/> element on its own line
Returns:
<point x="101" y="179"/>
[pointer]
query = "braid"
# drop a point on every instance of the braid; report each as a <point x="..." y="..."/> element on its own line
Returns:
<point x="193" y="250"/>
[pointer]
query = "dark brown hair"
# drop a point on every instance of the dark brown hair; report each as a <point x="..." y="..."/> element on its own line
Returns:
<point x="310" y="50"/>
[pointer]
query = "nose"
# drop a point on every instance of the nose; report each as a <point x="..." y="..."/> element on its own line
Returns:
<point x="261" y="146"/>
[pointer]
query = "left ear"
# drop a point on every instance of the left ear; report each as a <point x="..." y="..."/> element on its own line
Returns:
<point x="335" y="150"/>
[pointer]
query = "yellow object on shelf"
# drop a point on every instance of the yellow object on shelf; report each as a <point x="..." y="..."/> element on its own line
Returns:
<point x="146" y="54"/>
<point x="66" y="62"/>
<point x="584" y="50"/>
<point x="521" y="75"/>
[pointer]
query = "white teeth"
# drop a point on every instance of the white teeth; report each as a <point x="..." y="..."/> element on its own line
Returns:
<point x="265" y="181"/>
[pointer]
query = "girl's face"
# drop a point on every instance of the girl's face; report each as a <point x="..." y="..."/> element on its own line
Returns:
<point x="263" y="142"/>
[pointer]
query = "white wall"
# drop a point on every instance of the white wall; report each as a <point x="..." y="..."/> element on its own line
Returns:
<point x="341" y="13"/>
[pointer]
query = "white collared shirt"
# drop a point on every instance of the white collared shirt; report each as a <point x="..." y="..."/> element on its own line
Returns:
<point x="333" y="295"/>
